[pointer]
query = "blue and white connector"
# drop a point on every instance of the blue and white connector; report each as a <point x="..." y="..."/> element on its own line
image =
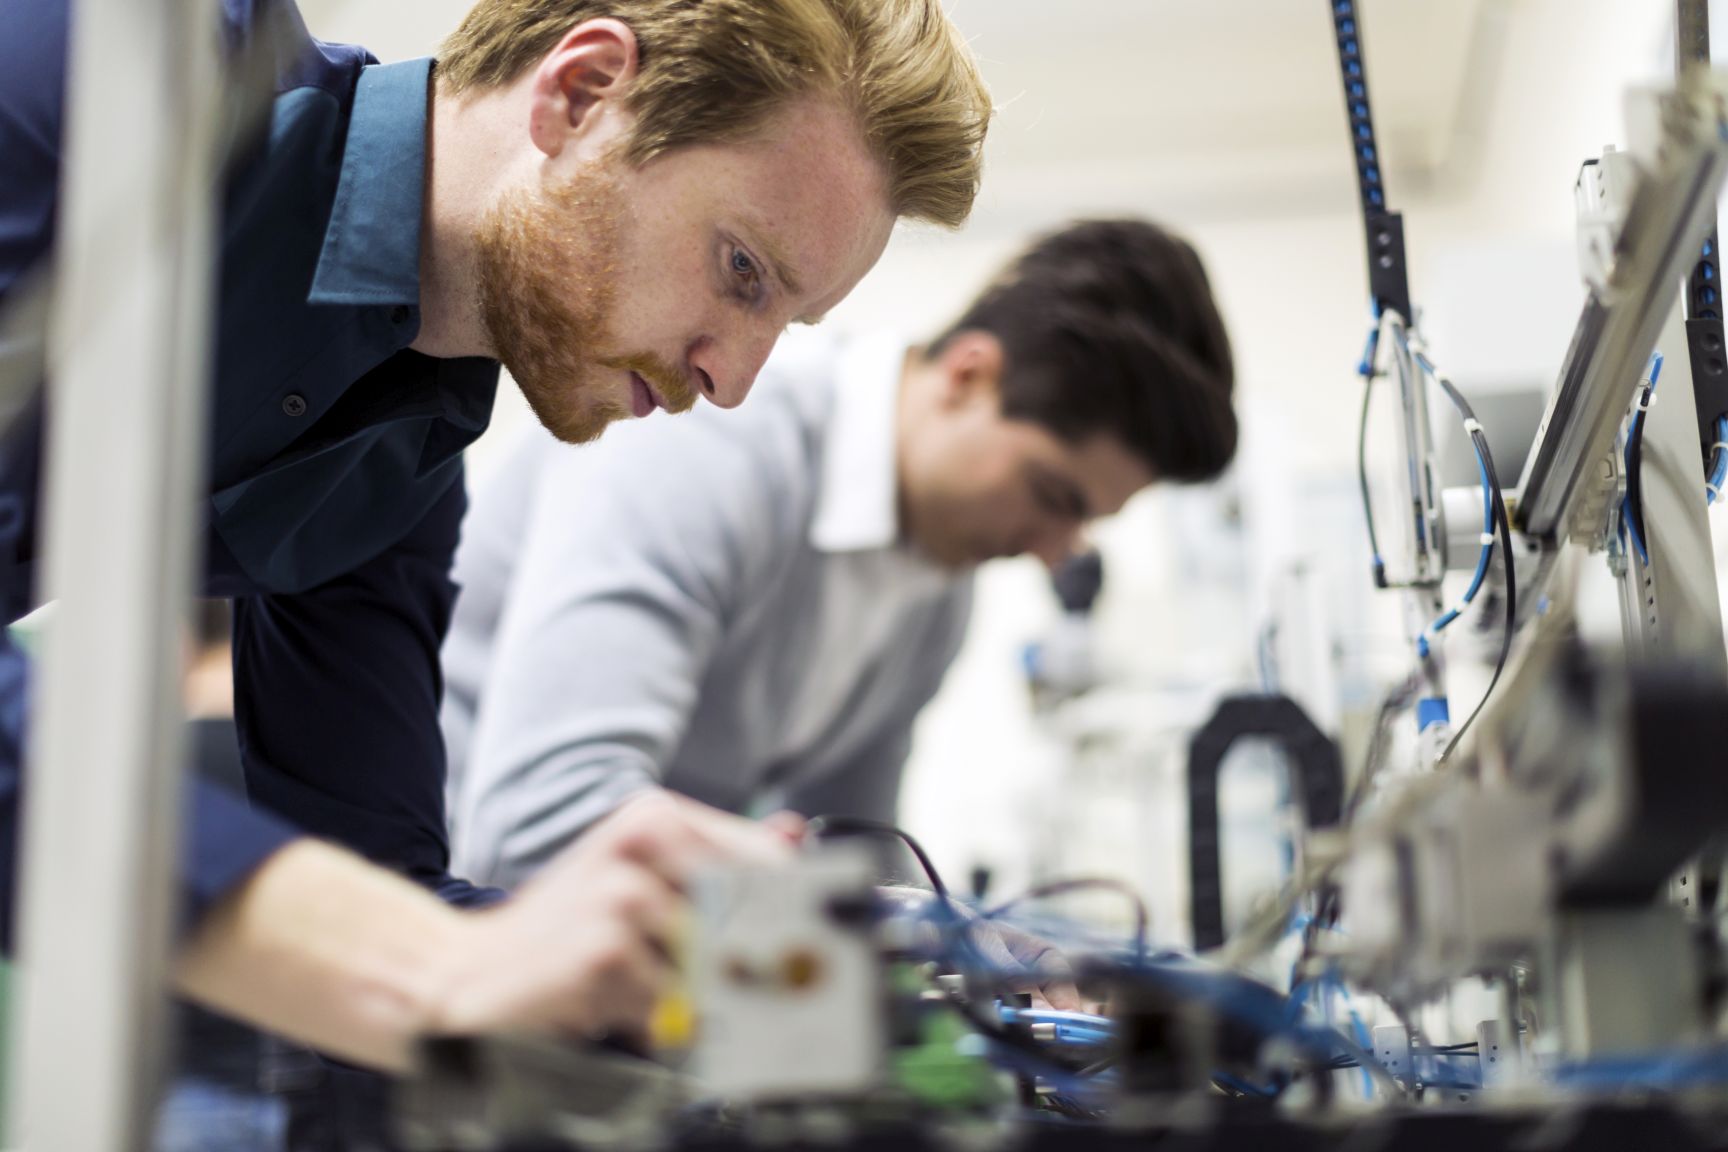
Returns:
<point x="1424" y="642"/>
<point x="1061" y="1027"/>
<point x="1370" y="350"/>
<point x="1433" y="728"/>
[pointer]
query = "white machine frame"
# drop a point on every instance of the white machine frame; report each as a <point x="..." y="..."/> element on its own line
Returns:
<point x="125" y="454"/>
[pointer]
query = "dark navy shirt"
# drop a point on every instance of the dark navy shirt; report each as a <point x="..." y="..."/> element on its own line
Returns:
<point x="335" y="473"/>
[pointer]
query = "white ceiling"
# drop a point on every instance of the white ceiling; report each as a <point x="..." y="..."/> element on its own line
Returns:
<point x="1188" y="107"/>
<point x="1232" y="102"/>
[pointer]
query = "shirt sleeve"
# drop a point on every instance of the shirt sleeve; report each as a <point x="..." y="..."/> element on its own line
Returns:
<point x="32" y="90"/>
<point x="618" y="602"/>
<point x="336" y="698"/>
<point x="223" y="842"/>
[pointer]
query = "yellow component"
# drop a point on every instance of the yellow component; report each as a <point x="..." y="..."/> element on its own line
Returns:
<point x="672" y="1024"/>
<point x="672" y="1027"/>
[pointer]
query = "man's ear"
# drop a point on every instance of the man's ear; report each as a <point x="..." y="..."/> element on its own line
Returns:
<point x="972" y="362"/>
<point x="579" y="81"/>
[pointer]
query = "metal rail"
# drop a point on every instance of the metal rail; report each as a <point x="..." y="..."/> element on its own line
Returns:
<point x="125" y="456"/>
<point x="1670" y="214"/>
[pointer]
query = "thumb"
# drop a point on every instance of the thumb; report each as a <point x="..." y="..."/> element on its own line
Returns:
<point x="788" y="824"/>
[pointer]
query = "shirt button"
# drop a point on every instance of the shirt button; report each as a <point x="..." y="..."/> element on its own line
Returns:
<point x="294" y="404"/>
<point x="399" y="314"/>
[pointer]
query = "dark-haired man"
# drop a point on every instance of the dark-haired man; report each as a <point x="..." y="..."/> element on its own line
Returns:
<point x="762" y="605"/>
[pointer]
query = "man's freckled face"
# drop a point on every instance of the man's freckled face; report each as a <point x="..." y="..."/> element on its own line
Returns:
<point x="684" y="271"/>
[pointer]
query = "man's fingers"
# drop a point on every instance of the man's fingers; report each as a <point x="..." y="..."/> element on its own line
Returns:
<point x="1062" y="995"/>
<point x="788" y="824"/>
<point x="676" y="838"/>
<point x="644" y="902"/>
<point x="618" y="987"/>
<point x="1056" y="978"/>
<point x="1048" y="975"/>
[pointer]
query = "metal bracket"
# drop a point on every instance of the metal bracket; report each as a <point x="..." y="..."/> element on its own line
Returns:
<point x="1392" y="1049"/>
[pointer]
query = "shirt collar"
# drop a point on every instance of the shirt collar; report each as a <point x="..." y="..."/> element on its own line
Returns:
<point x="371" y="251"/>
<point x="858" y="506"/>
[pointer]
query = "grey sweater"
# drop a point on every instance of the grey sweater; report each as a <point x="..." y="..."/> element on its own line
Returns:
<point x="716" y="603"/>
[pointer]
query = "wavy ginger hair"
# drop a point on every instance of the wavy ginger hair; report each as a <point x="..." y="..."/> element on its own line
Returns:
<point x="713" y="71"/>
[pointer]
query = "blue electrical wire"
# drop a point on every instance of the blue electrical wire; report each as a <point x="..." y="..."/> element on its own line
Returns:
<point x="1670" y="1070"/>
<point x="1370" y="350"/>
<point x="1719" y="469"/>
<point x="1250" y="1003"/>
<point x="1070" y="1027"/>
<point x="1242" y="1086"/>
<point x="1483" y="559"/>
<point x="1486" y="555"/>
<point x="1364" y="1040"/>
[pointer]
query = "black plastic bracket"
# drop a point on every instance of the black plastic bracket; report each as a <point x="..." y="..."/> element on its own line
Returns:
<point x="1317" y="777"/>
<point x="1388" y="280"/>
<point x="1703" y="298"/>
<point x="1709" y="359"/>
<point x="1669" y="805"/>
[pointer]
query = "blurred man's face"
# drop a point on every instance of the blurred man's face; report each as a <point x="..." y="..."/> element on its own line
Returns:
<point x="621" y="290"/>
<point x="975" y="485"/>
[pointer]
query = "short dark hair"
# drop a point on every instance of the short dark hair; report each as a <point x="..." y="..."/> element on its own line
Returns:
<point x="1110" y="326"/>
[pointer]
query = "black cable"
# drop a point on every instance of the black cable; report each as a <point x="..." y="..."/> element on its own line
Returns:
<point x="1635" y="470"/>
<point x="1362" y="478"/>
<point x="1511" y="611"/>
<point x="1142" y="917"/>
<point x="828" y="827"/>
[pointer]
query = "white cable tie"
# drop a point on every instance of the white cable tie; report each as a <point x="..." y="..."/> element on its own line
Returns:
<point x="1719" y="446"/>
<point x="1715" y="492"/>
<point x="1472" y="425"/>
<point x="1487" y="539"/>
<point x="1463" y="607"/>
<point x="1647" y="399"/>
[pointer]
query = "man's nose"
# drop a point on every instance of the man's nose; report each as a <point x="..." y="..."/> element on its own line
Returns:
<point x="726" y="368"/>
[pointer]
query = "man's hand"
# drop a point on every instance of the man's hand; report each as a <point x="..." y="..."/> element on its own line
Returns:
<point x="586" y="946"/>
<point x="1028" y="963"/>
<point x="1049" y="977"/>
<point x="323" y="947"/>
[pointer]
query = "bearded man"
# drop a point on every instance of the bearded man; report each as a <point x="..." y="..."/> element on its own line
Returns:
<point x="625" y="202"/>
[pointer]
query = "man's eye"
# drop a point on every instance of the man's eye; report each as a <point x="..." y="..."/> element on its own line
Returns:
<point x="742" y="266"/>
<point x="1056" y="502"/>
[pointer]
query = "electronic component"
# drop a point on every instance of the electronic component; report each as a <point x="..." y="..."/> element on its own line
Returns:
<point x="788" y="996"/>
